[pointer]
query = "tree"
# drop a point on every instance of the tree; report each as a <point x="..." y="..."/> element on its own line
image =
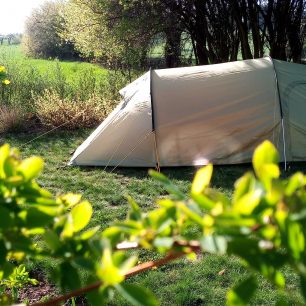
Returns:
<point x="41" y="38"/>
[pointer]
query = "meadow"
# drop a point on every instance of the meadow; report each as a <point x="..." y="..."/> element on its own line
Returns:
<point x="202" y="282"/>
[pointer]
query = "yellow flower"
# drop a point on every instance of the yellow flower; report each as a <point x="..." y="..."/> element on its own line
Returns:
<point x="6" y="82"/>
<point x="2" y="69"/>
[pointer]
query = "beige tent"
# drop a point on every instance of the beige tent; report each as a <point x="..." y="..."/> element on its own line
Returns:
<point x="196" y="115"/>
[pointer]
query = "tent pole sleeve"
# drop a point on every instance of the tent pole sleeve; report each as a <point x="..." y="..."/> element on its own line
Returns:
<point x="281" y="113"/>
<point x="153" y="123"/>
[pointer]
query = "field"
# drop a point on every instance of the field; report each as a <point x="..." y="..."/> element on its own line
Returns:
<point x="71" y="69"/>
<point x="203" y="282"/>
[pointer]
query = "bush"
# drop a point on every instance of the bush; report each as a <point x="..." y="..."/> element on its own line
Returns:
<point x="12" y="119"/>
<point x="263" y="224"/>
<point x="54" y="111"/>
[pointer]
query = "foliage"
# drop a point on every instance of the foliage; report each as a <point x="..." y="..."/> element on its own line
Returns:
<point x="18" y="279"/>
<point x="103" y="30"/>
<point x="54" y="111"/>
<point x="3" y="76"/>
<point x="263" y="224"/>
<point x="41" y="38"/>
<point x="77" y="83"/>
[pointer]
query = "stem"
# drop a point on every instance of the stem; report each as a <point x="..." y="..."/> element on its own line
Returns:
<point x="192" y="245"/>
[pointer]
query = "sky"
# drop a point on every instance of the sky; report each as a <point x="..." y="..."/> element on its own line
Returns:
<point x="14" y="14"/>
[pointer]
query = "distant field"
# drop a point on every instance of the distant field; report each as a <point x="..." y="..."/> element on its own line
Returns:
<point x="71" y="69"/>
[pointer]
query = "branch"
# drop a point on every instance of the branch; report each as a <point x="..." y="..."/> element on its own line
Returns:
<point x="193" y="246"/>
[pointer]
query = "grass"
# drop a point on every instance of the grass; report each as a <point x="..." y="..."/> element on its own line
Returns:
<point x="72" y="70"/>
<point x="179" y="283"/>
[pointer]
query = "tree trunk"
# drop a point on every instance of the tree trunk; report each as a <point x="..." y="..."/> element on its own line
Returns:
<point x="173" y="48"/>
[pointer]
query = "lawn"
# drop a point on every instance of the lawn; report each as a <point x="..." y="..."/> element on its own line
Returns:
<point x="179" y="283"/>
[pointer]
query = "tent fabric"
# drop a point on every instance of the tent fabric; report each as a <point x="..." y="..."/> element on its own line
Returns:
<point x="196" y="115"/>
<point x="125" y="138"/>
<point x="292" y="88"/>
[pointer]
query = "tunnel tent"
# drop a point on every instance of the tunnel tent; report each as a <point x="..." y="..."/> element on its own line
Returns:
<point x="195" y="115"/>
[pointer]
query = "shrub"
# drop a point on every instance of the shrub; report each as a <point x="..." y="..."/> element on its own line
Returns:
<point x="54" y="111"/>
<point x="12" y="119"/>
<point x="263" y="224"/>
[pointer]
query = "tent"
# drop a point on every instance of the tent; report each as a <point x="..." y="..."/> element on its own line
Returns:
<point x="196" y="115"/>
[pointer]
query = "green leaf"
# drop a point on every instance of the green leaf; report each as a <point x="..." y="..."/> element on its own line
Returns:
<point x="81" y="215"/>
<point x="296" y="239"/>
<point x="267" y="262"/>
<point x="52" y="240"/>
<point x="4" y="154"/>
<point x="168" y="185"/>
<point x="243" y="186"/>
<point x="137" y="295"/>
<point x="35" y="218"/>
<point x="31" y="167"/>
<point x="71" y="199"/>
<point x="214" y="244"/>
<point x="78" y="218"/>
<point x="69" y="276"/>
<point x="265" y="162"/>
<point x="248" y="202"/>
<point x="202" y="179"/>
<point x="135" y="212"/>
<point x="242" y="293"/>
<point x="89" y="233"/>
<point x="295" y="182"/>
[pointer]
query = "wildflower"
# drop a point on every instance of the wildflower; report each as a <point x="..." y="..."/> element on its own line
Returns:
<point x="2" y="69"/>
<point x="6" y="82"/>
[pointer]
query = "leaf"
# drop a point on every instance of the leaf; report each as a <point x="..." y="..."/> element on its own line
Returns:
<point x="168" y="185"/>
<point x="202" y="179"/>
<point x="214" y="244"/>
<point x="267" y="262"/>
<point x="52" y="240"/>
<point x="190" y="214"/>
<point x="295" y="182"/>
<point x="265" y="161"/>
<point x="243" y="186"/>
<point x="35" y="218"/>
<point x="242" y="293"/>
<point x="89" y="233"/>
<point x="31" y="167"/>
<point x="69" y="276"/>
<point x="81" y="215"/>
<point x="296" y="239"/>
<point x="135" y="212"/>
<point x="4" y="154"/>
<point x="71" y="199"/>
<point x="136" y="295"/>
<point x="248" y="202"/>
<point x="107" y="271"/>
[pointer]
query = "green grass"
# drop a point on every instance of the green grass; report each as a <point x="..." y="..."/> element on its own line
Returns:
<point x="71" y="69"/>
<point x="179" y="283"/>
